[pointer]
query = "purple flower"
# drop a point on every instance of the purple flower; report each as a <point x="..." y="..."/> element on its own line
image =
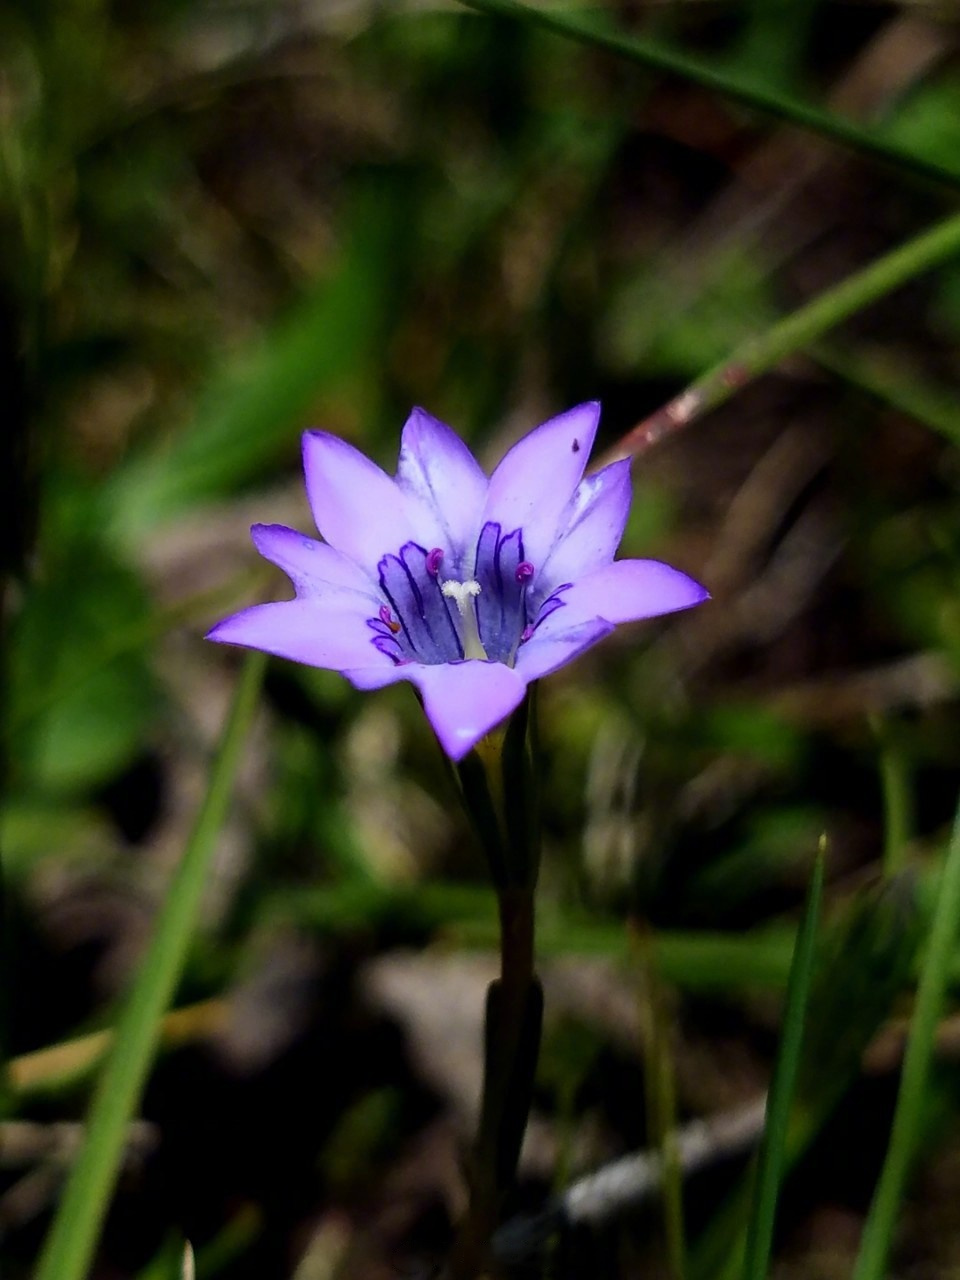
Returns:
<point x="468" y="586"/>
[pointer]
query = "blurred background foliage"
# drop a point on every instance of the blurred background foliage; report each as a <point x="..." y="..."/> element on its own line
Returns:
<point x="222" y="222"/>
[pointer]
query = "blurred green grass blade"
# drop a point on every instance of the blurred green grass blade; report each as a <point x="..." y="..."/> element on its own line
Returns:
<point x="774" y="40"/>
<point x="467" y="915"/>
<point x="127" y="637"/>
<point x="908" y="1116"/>
<point x="877" y="375"/>
<point x="249" y="415"/>
<point x="73" y="1236"/>
<point x="895" y="784"/>
<point x="729" y="83"/>
<point x="772" y="1159"/>
<point x="864" y="963"/>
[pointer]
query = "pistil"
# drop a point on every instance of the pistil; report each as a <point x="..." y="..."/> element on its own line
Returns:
<point x="462" y="594"/>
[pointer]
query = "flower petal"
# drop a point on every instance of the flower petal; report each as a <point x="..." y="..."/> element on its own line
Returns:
<point x="357" y="507"/>
<point x="557" y="641"/>
<point x="445" y="488"/>
<point x="313" y="567"/>
<point x="537" y="478"/>
<point x="628" y="590"/>
<point x="320" y="635"/>
<point x="624" y="591"/>
<point x="465" y="700"/>
<point x="590" y="528"/>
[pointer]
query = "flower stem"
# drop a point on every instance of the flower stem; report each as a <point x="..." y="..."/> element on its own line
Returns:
<point x="499" y="788"/>
<point x="512" y="1043"/>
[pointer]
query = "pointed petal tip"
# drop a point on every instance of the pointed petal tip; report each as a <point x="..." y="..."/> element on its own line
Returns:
<point x="465" y="700"/>
<point x="219" y="632"/>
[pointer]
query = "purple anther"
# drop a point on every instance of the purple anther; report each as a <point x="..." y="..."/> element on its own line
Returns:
<point x="385" y="615"/>
<point x="524" y="572"/>
<point x="526" y="633"/>
<point x="434" y="560"/>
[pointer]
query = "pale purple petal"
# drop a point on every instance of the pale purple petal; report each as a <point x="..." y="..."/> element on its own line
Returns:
<point x="357" y="507"/>
<point x="465" y="700"/>
<point x="314" y="568"/>
<point x="445" y="489"/>
<point x="590" y="528"/>
<point x="557" y="641"/>
<point x="306" y="631"/>
<point x="537" y="478"/>
<point x="624" y="591"/>
<point x="379" y="675"/>
<point x="628" y="590"/>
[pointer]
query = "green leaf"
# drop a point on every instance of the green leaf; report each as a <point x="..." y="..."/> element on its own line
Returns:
<point x="70" y="618"/>
<point x="249" y="416"/>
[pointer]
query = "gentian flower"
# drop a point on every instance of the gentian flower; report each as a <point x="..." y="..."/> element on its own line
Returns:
<point x="467" y="586"/>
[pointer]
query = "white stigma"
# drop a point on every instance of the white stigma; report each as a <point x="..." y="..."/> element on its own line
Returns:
<point x="462" y="593"/>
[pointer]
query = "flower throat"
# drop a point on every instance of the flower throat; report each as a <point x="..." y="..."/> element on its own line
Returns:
<point x="429" y="619"/>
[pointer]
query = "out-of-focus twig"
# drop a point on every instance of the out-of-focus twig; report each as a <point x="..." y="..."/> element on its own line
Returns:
<point x="631" y="1180"/>
<point x="51" y="1066"/>
<point x="790" y="335"/>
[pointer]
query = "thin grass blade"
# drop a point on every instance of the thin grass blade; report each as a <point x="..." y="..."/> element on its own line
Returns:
<point x="773" y="1147"/>
<point x="73" y="1236"/>
<point x="908" y="1116"/>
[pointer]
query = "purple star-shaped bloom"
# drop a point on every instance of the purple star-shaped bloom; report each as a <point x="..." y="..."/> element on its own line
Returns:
<point x="468" y="586"/>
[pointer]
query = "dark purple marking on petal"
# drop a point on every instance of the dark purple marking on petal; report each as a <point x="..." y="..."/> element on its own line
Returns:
<point x="550" y="605"/>
<point x="419" y="606"/>
<point x="388" y="646"/>
<point x="501" y="615"/>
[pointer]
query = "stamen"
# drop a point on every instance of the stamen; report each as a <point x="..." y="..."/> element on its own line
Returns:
<point x="526" y="633"/>
<point x="388" y="619"/>
<point x="524" y="572"/>
<point x="434" y="561"/>
<point x="462" y="593"/>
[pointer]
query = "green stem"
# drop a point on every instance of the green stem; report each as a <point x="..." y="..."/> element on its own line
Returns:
<point x="897" y="800"/>
<point x="764" y="352"/>
<point x="911" y="1101"/>
<point x="757" y="95"/>
<point x="774" y="1156"/>
<point x="73" y="1237"/>
<point x="513" y="1022"/>
<point x="501" y="797"/>
<point x="661" y="1100"/>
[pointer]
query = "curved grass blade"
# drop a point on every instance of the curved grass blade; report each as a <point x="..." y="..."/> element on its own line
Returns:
<point x="772" y="1158"/>
<point x="73" y="1236"/>
<point x="758" y="95"/>
<point x="908" y="1116"/>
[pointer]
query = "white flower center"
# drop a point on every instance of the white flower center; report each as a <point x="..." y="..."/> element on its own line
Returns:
<point x="462" y="594"/>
